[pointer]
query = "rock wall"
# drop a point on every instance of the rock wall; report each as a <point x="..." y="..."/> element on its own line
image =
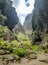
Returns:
<point x="27" y="24"/>
<point x="40" y="15"/>
<point x="9" y="12"/>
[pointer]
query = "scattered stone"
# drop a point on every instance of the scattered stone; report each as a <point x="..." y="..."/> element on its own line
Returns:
<point x="32" y="56"/>
<point x="12" y="59"/>
<point x="17" y="58"/>
<point x="3" y="47"/>
<point x="4" y="58"/>
<point x="2" y="52"/>
<point x="44" y="60"/>
<point x="7" y="52"/>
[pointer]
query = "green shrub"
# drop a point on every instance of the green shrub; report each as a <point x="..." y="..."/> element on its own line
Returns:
<point x="10" y="48"/>
<point x="15" y="43"/>
<point x="46" y="49"/>
<point x="21" y="52"/>
<point x="1" y="32"/>
<point x="22" y="37"/>
<point x="2" y="42"/>
<point x="35" y="48"/>
<point x="3" y="29"/>
<point x="26" y="42"/>
<point x="2" y="19"/>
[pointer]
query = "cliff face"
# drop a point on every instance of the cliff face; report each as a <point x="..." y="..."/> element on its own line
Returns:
<point x="9" y="12"/>
<point x="40" y="15"/>
<point x="27" y="24"/>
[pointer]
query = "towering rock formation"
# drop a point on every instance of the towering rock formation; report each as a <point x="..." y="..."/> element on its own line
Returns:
<point x="40" y="15"/>
<point x="9" y="12"/>
<point x="27" y="24"/>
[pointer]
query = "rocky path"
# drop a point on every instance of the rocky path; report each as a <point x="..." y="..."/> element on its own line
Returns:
<point x="42" y="59"/>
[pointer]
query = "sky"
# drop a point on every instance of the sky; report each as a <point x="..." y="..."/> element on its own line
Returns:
<point x="23" y="8"/>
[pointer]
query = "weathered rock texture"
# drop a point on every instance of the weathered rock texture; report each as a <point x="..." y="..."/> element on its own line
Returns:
<point x="9" y="12"/>
<point x="27" y="24"/>
<point x="40" y="16"/>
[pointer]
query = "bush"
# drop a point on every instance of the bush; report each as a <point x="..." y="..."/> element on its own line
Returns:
<point x="2" y="42"/>
<point x="22" y="37"/>
<point x="15" y="43"/>
<point x="9" y="48"/>
<point x="2" y="19"/>
<point x="21" y="52"/>
<point x="1" y="31"/>
<point x="35" y="48"/>
<point x="46" y="49"/>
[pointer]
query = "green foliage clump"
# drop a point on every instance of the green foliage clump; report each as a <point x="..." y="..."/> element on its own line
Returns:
<point x="15" y="43"/>
<point x="2" y="42"/>
<point x="46" y="49"/>
<point x="22" y="36"/>
<point x="35" y="48"/>
<point x="5" y="33"/>
<point x="9" y="48"/>
<point x="3" y="29"/>
<point x="21" y="52"/>
<point x="26" y="42"/>
<point x="1" y="35"/>
<point x="2" y="19"/>
<point x="23" y="39"/>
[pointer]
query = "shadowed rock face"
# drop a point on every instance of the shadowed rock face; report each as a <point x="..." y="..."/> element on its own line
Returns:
<point x="27" y="24"/>
<point x="40" y="15"/>
<point x="9" y="12"/>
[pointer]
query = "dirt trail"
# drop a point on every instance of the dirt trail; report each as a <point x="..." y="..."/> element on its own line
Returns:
<point x="25" y="61"/>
